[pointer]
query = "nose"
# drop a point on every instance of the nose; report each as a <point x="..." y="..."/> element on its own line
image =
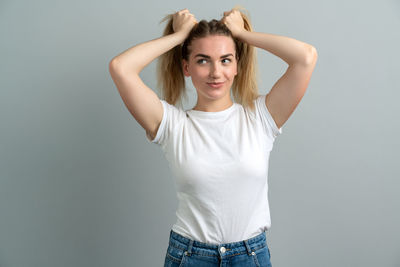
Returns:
<point x="215" y="71"/>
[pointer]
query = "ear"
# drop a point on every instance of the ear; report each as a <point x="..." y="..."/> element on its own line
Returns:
<point x="185" y="68"/>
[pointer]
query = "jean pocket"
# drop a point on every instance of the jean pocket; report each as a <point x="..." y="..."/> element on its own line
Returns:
<point x="262" y="257"/>
<point x="175" y="255"/>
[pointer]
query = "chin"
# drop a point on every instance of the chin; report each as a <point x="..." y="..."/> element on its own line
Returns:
<point x="216" y="94"/>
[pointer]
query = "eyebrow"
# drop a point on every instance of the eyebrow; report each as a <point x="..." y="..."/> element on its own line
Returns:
<point x="202" y="55"/>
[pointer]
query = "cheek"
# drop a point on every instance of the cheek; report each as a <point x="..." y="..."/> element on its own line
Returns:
<point x="199" y="73"/>
<point x="231" y="72"/>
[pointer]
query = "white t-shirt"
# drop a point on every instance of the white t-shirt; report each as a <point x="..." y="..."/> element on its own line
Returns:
<point x="219" y="161"/>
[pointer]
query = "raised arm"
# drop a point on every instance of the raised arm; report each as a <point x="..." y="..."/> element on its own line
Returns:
<point x="142" y="102"/>
<point x="301" y="57"/>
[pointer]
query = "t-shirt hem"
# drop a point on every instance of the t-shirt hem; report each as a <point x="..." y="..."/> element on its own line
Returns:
<point x="276" y="131"/>
<point x="161" y="127"/>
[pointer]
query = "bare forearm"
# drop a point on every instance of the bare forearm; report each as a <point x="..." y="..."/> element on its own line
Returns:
<point x="288" y="49"/>
<point x="138" y="56"/>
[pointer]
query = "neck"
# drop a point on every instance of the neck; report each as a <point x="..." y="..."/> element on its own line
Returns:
<point x="213" y="107"/>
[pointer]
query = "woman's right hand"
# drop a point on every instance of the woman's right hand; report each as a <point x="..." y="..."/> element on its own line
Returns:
<point x="183" y="21"/>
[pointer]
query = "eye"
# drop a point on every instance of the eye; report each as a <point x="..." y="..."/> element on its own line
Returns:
<point x="200" y="61"/>
<point x="227" y="60"/>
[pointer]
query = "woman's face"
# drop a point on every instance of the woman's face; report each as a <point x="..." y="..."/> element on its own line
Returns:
<point x="212" y="66"/>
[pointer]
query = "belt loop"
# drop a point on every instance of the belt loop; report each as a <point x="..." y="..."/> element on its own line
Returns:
<point x="247" y="247"/>
<point x="189" y="251"/>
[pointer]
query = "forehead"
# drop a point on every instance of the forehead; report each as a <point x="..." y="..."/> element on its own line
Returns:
<point x="213" y="45"/>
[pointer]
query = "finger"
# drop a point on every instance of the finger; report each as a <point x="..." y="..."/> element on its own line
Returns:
<point x="183" y="11"/>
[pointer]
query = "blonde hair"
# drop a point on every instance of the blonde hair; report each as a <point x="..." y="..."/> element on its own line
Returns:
<point x="170" y="77"/>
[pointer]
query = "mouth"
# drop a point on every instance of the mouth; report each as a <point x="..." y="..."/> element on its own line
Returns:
<point x="215" y="84"/>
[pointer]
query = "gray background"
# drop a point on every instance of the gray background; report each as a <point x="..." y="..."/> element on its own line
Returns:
<point x="80" y="185"/>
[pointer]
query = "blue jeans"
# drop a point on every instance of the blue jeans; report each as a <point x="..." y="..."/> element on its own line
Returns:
<point x="185" y="252"/>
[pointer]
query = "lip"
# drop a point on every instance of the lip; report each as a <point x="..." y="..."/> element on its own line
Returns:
<point x="216" y="85"/>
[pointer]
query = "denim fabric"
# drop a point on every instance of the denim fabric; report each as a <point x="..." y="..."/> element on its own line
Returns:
<point x="184" y="252"/>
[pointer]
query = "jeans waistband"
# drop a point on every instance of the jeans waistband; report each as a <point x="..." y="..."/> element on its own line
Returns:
<point x="226" y="249"/>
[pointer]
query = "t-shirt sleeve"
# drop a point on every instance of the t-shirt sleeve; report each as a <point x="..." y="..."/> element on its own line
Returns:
<point x="170" y="119"/>
<point x="267" y="121"/>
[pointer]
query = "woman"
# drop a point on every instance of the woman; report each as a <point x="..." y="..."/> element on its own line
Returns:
<point x="218" y="150"/>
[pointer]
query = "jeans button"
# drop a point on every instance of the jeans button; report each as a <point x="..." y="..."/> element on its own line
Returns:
<point x="222" y="249"/>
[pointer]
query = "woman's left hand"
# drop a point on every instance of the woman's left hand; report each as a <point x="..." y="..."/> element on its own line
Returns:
<point x="234" y="21"/>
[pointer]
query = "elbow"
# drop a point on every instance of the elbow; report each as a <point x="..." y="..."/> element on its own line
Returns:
<point x="311" y="56"/>
<point x="113" y="65"/>
<point x="116" y="66"/>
